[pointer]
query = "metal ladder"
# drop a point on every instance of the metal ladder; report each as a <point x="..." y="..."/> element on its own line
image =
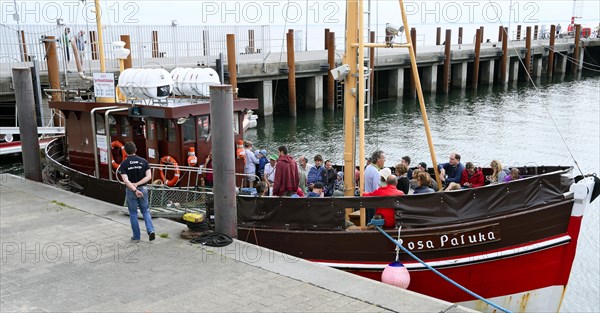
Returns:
<point x="368" y="70"/>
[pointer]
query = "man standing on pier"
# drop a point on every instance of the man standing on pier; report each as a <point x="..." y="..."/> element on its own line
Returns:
<point x="135" y="172"/>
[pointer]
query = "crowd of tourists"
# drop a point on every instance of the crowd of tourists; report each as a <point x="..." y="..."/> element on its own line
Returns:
<point x="279" y="174"/>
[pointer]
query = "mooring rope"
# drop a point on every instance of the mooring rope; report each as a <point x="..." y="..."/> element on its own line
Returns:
<point x="438" y="273"/>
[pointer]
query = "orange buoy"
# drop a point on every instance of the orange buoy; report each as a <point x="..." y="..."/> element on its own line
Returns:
<point x="169" y="160"/>
<point x="240" y="152"/>
<point x="192" y="160"/>
<point x="117" y="145"/>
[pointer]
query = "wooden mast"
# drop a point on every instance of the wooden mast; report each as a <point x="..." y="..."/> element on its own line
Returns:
<point x="101" y="48"/>
<point x="354" y="58"/>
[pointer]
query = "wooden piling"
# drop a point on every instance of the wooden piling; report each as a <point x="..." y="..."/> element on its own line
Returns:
<point x="460" y="35"/>
<point x="413" y="39"/>
<point x="518" y="32"/>
<point x="372" y="67"/>
<point x="53" y="67"/>
<point x="438" y="36"/>
<point x="528" y="53"/>
<point x="94" y="45"/>
<point x="481" y="35"/>
<point x="330" y="80"/>
<point x="24" y="56"/>
<point x="326" y="38"/>
<point x="446" y="72"/>
<point x="205" y="41"/>
<point x="504" y="59"/>
<point x="250" y="41"/>
<point x="550" y="69"/>
<point x="155" y="53"/>
<point x="476" y="62"/>
<point x="25" y="104"/>
<point x="127" y="63"/>
<point x="291" y="73"/>
<point x="500" y="31"/>
<point x="231" y="63"/>
<point x="576" y="52"/>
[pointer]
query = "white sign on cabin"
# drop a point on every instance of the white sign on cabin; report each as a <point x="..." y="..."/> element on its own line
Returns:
<point x="104" y="85"/>
<point x="102" y="146"/>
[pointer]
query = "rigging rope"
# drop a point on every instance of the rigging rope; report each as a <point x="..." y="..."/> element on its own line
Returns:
<point x="398" y="245"/>
<point x="538" y="90"/>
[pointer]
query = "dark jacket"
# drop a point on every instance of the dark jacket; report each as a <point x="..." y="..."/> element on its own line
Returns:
<point x="286" y="176"/>
<point x="403" y="184"/>
<point x="331" y="178"/>
<point x="317" y="175"/>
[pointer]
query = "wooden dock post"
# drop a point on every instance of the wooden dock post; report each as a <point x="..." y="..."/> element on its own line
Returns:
<point x="231" y="63"/>
<point x="205" y="41"/>
<point x="94" y="45"/>
<point x="330" y="80"/>
<point x="53" y="67"/>
<point x="504" y="60"/>
<point x="372" y="67"/>
<point x="518" y="32"/>
<point x="475" y="80"/>
<point x="155" y="53"/>
<point x="250" y="41"/>
<point x="447" y="62"/>
<point x="127" y="63"/>
<point x="291" y="73"/>
<point x="413" y="85"/>
<point x="528" y="53"/>
<point x="500" y="31"/>
<point x="25" y="106"/>
<point x="327" y="38"/>
<point x="550" y="70"/>
<point x="438" y="36"/>
<point x="576" y="57"/>
<point x="481" y="34"/>
<point x="24" y="56"/>
<point x="460" y="35"/>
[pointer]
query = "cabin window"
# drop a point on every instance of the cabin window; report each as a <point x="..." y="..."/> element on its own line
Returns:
<point x="150" y="129"/>
<point x="112" y="125"/>
<point x="203" y="126"/>
<point x="171" y="135"/>
<point x="160" y="129"/>
<point x="99" y="124"/>
<point x="236" y="123"/>
<point x="189" y="131"/>
<point x="124" y="126"/>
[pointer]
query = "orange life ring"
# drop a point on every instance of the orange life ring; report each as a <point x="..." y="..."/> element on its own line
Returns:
<point x="117" y="145"/>
<point x="169" y="160"/>
<point x="240" y="152"/>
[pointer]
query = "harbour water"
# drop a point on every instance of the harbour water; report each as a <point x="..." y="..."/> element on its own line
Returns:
<point x="522" y="125"/>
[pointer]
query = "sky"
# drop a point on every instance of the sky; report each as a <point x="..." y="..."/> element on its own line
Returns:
<point x="297" y="12"/>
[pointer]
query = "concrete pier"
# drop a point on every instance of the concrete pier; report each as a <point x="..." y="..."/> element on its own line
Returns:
<point x="258" y="73"/>
<point x="65" y="252"/>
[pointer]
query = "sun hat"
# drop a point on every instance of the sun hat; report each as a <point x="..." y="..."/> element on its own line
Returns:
<point x="263" y="152"/>
<point x="273" y="157"/>
<point x="385" y="172"/>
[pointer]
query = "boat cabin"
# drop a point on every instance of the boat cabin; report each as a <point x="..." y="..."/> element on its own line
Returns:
<point x="96" y="132"/>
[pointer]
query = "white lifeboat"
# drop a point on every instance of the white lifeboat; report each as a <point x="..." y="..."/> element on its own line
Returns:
<point x="155" y="83"/>
<point x="194" y="81"/>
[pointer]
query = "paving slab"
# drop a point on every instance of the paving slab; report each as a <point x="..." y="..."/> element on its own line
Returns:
<point x="65" y="252"/>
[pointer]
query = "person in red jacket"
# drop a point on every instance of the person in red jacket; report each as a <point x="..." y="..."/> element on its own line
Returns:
<point x="389" y="190"/>
<point x="471" y="177"/>
<point x="286" y="177"/>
